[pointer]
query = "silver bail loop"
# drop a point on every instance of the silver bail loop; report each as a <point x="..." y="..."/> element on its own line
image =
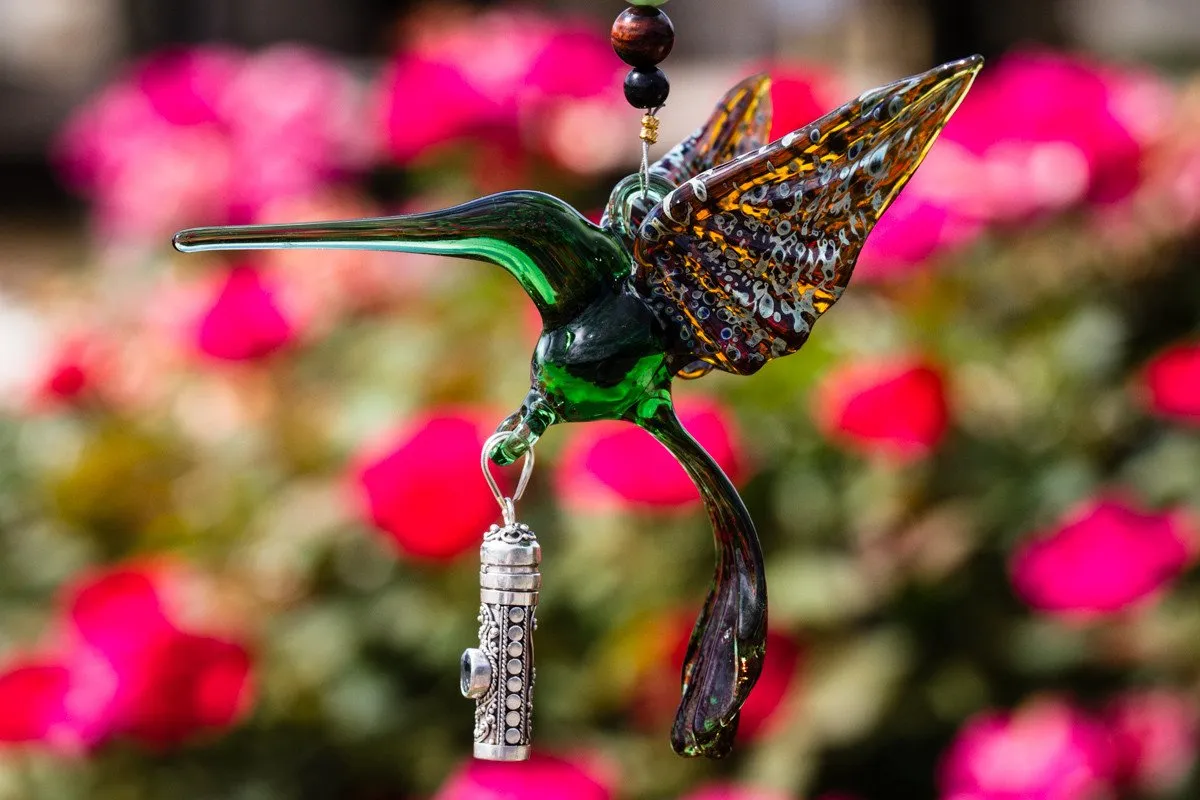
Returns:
<point x="508" y="505"/>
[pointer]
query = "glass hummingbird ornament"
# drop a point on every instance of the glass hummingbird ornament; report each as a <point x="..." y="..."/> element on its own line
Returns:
<point x="724" y="259"/>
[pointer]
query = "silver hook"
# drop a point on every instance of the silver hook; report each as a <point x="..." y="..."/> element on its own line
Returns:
<point x="507" y="504"/>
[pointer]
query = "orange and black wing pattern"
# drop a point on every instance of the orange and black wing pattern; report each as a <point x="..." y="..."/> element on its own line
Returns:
<point x="744" y="257"/>
<point x="740" y="124"/>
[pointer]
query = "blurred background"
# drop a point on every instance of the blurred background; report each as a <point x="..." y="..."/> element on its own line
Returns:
<point x="240" y="503"/>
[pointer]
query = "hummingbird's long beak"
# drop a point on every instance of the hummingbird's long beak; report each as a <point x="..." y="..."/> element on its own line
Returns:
<point x="559" y="258"/>
<point x="379" y="233"/>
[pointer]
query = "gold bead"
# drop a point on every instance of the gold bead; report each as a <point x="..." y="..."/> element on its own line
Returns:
<point x="649" y="132"/>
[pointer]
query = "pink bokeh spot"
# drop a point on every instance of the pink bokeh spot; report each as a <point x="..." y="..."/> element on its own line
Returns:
<point x="32" y="693"/>
<point x="245" y="321"/>
<point x="575" y="63"/>
<point x="65" y="380"/>
<point x="732" y="791"/>
<point x="136" y="672"/>
<point x="1103" y="558"/>
<point x="130" y="593"/>
<point x="423" y="488"/>
<point x="79" y="368"/>
<point x="1171" y="383"/>
<point x="799" y="95"/>
<point x="185" y="87"/>
<point x="895" y="409"/>
<point x="616" y="464"/>
<point x="542" y="777"/>
<point x="179" y="685"/>
<point x="1050" y="130"/>
<point x="1156" y="734"/>
<point x="506" y="82"/>
<point x="122" y="666"/>
<point x="428" y="104"/>
<point x="913" y="232"/>
<point x="208" y="135"/>
<point x="1046" y="750"/>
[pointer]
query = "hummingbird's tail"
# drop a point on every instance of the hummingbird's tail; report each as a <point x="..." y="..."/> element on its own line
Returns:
<point x="725" y="655"/>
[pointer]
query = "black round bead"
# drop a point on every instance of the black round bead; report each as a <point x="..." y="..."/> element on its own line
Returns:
<point x="643" y="36"/>
<point x="647" y="88"/>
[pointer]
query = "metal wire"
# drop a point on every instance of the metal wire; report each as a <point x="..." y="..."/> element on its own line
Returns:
<point x="649" y="136"/>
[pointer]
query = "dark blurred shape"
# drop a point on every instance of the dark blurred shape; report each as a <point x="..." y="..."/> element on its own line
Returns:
<point x="990" y="28"/>
<point x="350" y="26"/>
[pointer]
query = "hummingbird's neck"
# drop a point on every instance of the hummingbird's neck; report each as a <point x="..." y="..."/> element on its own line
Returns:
<point x="554" y="253"/>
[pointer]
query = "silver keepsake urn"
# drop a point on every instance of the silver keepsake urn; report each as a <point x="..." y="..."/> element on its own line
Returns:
<point x="499" y="674"/>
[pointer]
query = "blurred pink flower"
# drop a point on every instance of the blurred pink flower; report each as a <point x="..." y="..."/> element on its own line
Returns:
<point x="1155" y="737"/>
<point x="913" y="231"/>
<point x="136" y="672"/>
<point x="423" y="487"/>
<point x="542" y="777"/>
<point x="32" y="694"/>
<point x="80" y="366"/>
<point x="799" y="95"/>
<point x="1046" y="750"/>
<point x="427" y="103"/>
<point x="576" y="62"/>
<point x="895" y="409"/>
<point x="615" y="464"/>
<point x="295" y="124"/>
<point x="1103" y="557"/>
<point x="730" y="791"/>
<point x="244" y="320"/>
<point x="66" y="379"/>
<point x="1171" y="382"/>
<point x="506" y="79"/>
<point x="1179" y="183"/>
<point x="125" y="666"/>
<point x="1051" y="130"/>
<point x="185" y="86"/>
<point x="207" y="135"/>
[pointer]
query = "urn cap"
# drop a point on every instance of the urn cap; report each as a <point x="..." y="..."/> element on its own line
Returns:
<point x="510" y="546"/>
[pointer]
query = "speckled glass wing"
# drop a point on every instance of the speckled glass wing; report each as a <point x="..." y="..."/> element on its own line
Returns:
<point x="744" y="257"/>
<point x="740" y="124"/>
